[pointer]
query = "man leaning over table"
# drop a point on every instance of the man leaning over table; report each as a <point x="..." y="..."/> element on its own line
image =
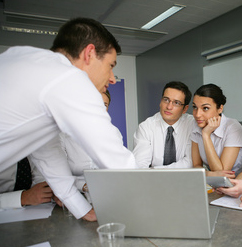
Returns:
<point x="16" y="197"/>
<point x="45" y="92"/>
<point x="149" y="138"/>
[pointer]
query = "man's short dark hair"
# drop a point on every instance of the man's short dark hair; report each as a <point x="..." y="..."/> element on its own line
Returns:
<point x="77" y="33"/>
<point x="179" y="86"/>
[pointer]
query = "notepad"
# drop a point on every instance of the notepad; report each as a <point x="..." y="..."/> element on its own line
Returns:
<point x="227" y="202"/>
<point x="40" y="211"/>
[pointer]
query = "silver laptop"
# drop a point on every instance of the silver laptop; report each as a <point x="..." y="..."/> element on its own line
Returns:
<point x="166" y="203"/>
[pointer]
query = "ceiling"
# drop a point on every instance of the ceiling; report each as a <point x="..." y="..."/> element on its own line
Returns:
<point x="123" y="18"/>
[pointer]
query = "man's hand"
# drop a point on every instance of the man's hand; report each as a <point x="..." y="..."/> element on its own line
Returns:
<point x="85" y="188"/>
<point x="90" y="216"/>
<point x="40" y="193"/>
<point x="57" y="200"/>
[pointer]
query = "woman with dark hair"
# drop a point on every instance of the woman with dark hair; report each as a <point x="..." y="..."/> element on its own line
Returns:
<point x="216" y="139"/>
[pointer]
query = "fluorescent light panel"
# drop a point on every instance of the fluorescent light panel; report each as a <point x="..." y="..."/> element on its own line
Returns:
<point x="28" y="30"/>
<point x="163" y="16"/>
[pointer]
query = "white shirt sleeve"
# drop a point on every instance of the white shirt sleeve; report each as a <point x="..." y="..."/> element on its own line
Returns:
<point x="11" y="199"/>
<point x="51" y="161"/>
<point x="78" y="110"/>
<point x="143" y="147"/>
<point x="8" y="197"/>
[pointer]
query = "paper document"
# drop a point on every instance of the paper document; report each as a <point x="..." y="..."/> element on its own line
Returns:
<point x="28" y="213"/>
<point x="228" y="202"/>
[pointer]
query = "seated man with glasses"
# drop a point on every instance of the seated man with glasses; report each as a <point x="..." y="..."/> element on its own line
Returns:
<point x="163" y="140"/>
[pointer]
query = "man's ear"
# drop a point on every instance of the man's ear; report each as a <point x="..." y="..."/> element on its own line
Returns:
<point x="88" y="53"/>
<point x="185" y="109"/>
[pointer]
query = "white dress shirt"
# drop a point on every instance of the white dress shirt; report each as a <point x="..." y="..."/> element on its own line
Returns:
<point x="149" y="142"/>
<point x="77" y="158"/>
<point x="228" y="134"/>
<point x="43" y="94"/>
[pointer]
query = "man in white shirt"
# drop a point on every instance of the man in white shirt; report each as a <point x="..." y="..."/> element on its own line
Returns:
<point x="77" y="158"/>
<point x="46" y="92"/>
<point x="149" y="138"/>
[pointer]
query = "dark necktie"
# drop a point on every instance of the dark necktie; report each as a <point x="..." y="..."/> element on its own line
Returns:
<point x="170" y="148"/>
<point x="23" y="177"/>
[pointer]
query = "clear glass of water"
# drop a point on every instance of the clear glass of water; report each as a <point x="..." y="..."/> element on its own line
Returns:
<point x="111" y="234"/>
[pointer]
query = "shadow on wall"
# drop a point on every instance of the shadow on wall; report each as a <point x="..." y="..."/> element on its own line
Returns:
<point x="155" y="90"/>
<point x="154" y="95"/>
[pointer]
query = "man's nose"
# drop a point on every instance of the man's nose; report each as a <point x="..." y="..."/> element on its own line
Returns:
<point x="170" y="105"/>
<point x="112" y="79"/>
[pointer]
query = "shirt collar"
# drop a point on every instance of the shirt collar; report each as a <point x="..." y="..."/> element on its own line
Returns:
<point x="221" y="129"/>
<point x="165" y="125"/>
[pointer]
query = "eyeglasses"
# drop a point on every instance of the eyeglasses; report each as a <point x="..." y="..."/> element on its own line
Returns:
<point x="175" y="103"/>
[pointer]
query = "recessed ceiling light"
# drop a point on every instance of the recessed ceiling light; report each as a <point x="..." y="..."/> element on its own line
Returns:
<point x="163" y="16"/>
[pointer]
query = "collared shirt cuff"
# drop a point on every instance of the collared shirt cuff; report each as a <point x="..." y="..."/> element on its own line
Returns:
<point x="78" y="205"/>
<point x="11" y="199"/>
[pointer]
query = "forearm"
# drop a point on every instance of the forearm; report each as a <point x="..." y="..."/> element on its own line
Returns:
<point x="51" y="161"/>
<point x="239" y="176"/>
<point x="196" y="158"/>
<point x="214" y="161"/>
<point x="185" y="162"/>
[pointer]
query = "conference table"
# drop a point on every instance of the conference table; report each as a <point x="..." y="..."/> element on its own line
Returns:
<point x="62" y="231"/>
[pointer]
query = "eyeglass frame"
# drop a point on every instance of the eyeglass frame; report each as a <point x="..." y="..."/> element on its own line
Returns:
<point x="167" y="101"/>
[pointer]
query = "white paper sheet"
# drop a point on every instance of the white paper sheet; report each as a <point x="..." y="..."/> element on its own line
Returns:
<point x="228" y="202"/>
<point x="41" y="211"/>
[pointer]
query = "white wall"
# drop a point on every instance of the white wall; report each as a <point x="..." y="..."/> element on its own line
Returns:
<point x="126" y="69"/>
<point x="227" y="74"/>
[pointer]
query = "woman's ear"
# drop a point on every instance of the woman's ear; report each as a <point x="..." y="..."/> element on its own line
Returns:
<point x="220" y="110"/>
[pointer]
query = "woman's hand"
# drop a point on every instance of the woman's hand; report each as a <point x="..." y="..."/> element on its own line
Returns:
<point x="234" y="191"/>
<point x="212" y="124"/>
